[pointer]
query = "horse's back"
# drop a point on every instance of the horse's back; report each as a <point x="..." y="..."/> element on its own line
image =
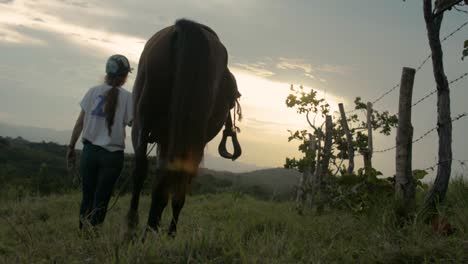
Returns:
<point x="156" y="75"/>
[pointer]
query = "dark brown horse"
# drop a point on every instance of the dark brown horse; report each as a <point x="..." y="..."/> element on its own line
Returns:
<point x="183" y="94"/>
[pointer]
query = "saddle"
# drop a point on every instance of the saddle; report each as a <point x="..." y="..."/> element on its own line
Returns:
<point x="230" y="130"/>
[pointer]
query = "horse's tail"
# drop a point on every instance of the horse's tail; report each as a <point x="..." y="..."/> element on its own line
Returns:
<point x="191" y="95"/>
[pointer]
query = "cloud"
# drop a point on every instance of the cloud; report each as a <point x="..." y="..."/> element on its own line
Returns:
<point x="69" y="7"/>
<point x="256" y="69"/>
<point x="308" y="68"/>
<point x="310" y="76"/>
<point x="264" y="123"/>
<point x="32" y="15"/>
<point x="10" y="36"/>
<point x="294" y="64"/>
<point x="337" y="69"/>
<point x="81" y="4"/>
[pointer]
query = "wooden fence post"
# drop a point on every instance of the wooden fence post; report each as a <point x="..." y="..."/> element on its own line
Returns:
<point x="301" y="191"/>
<point x="311" y="179"/>
<point x="404" y="184"/>
<point x="316" y="179"/>
<point x="306" y="178"/>
<point x="313" y="149"/>
<point x="327" y="146"/>
<point x="349" y="139"/>
<point x="303" y="185"/>
<point x="370" y="148"/>
<point x="322" y="174"/>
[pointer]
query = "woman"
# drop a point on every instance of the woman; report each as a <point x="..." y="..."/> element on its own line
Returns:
<point x="105" y="112"/>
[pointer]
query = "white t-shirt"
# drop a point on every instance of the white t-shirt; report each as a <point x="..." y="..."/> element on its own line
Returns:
<point x="95" y="125"/>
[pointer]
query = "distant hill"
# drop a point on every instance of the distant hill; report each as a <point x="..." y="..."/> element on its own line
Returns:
<point x="277" y="179"/>
<point x="40" y="167"/>
<point x="217" y="163"/>
<point x="35" y="134"/>
<point x="20" y="158"/>
<point x="33" y="167"/>
<point x="268" y="181"/>
<point x="62" y="137"/>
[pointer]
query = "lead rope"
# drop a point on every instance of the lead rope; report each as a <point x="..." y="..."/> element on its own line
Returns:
<point x="237" y="112"/>
<point x="235" y="117"/>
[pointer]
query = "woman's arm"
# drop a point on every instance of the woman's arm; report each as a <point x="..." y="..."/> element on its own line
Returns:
<point x="71" y="156"/>
<point x="77" y="130"/>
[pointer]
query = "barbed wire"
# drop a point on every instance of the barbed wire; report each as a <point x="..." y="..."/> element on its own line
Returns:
<point x="442" y="41"/>
<point x="422" y="99"/>
<point x="386" y="93"/>
<point x="427" y="133"/>
<point x="378" y="99"/>
<point x="432" y="129"/>
<point x="455" y="31"/>
<point x="459" y="78"/>
<point x="458" y="117"/>
<point x="424" y="62"/>
<point x="460" y="10"/>
<point x="435" y="91"/>
<point x="434" y="166"/>
<point x="418" y="68"/>
<point x="385" y="150"/>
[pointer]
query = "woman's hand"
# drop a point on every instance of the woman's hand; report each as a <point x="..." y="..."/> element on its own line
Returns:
<point x="71" y="157"/>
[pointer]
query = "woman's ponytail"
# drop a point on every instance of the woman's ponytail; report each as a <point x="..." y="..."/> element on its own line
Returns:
<point x="112" y="99"/>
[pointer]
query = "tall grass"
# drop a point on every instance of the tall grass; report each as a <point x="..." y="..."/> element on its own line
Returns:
<point x="231" y="228"/>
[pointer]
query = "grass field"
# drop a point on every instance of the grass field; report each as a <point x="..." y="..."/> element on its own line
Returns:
<point x="229" y="228"/>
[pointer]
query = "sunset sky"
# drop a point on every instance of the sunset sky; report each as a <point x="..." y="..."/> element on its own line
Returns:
<point x="53" y="51"/>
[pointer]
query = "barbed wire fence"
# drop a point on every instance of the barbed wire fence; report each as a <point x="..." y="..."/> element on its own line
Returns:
<point x="463" y="163"/>
<point x="429" y="95"/>
<point x="430" y="131"/>
<point x="420" y="66"/>
<point x="435" y="91"/>
<point x="427" y="133"/>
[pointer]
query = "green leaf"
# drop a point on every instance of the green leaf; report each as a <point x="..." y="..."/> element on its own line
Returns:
<point x="419" y="174"/>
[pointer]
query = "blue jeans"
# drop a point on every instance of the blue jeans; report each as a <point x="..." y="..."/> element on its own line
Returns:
<point x="99" y="169"/>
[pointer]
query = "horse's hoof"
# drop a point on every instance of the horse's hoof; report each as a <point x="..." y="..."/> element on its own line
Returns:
<point x="132" y="220"/>
<point x="172" y="231"/>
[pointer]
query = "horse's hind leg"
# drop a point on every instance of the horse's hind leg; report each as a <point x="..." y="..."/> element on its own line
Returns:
<point x="178" y="201"/>
<point x="140" y="142"/>
<point x="159" y="199"/>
